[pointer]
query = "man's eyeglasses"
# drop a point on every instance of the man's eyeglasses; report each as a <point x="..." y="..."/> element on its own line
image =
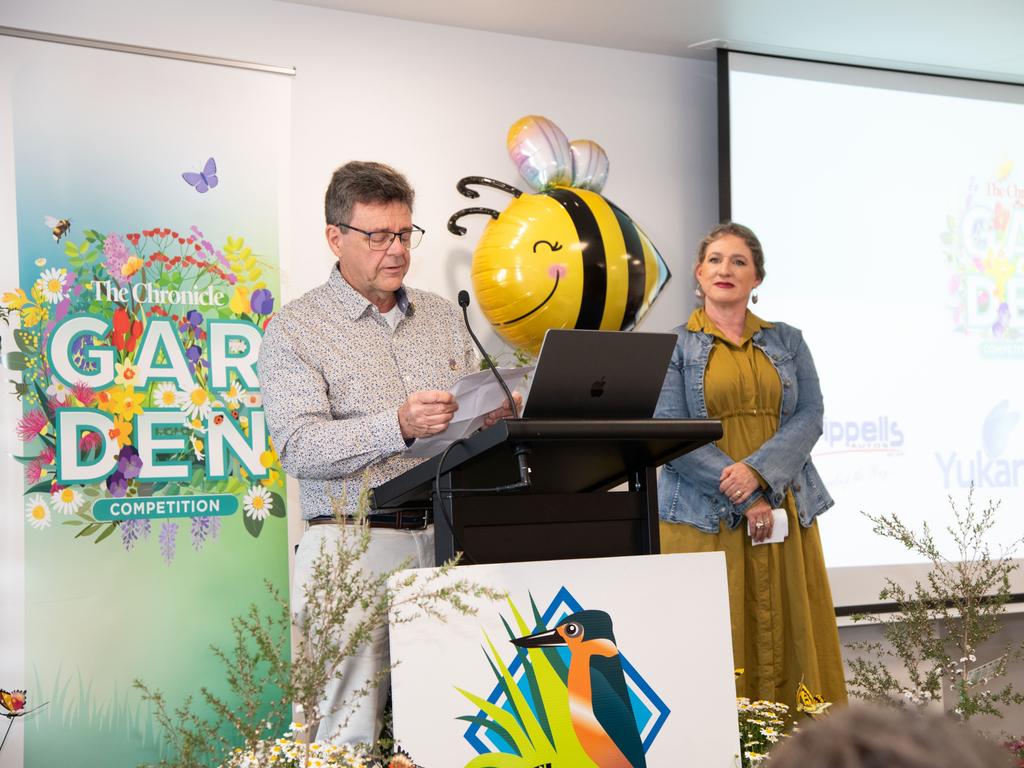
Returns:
<point x="382" y="240"/>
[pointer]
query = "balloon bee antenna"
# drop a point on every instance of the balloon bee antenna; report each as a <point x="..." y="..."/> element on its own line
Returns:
<point x="463" y="186"/>
<point x="456" y="229"/>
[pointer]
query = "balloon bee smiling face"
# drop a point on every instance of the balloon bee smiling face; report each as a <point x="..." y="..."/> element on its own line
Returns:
<point x="565" y="257"/>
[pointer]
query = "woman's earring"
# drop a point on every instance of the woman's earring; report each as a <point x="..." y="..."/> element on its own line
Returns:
<point x="753" y="298"/>
<point x="698" y="292"/>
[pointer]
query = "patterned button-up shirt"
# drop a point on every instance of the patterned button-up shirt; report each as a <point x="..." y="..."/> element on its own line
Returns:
<point x="333" y="374"/>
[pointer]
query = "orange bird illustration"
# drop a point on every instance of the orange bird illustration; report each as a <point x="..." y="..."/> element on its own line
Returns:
<point x="599" y="707"/>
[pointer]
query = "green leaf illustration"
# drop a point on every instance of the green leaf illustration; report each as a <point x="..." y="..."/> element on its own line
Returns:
<point x="252" y="526"/>
<point x="42" y="485"/>
<point x="89" y="530"/>
<point x="26" y="342"/>
<point x="277" y="507"/>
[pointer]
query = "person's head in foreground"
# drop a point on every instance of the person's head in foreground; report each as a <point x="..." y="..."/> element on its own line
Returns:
<point x="862" y="736"/>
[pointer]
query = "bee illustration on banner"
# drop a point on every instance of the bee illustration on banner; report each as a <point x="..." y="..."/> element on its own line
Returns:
<point x="58" y="227"/>
<point x="565" y="257"/>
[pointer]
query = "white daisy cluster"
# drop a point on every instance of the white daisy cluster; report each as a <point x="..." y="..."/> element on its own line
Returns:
<point x="762" y="725"/>
<point x="39" y="507"/>
<point x="288" y="753"/>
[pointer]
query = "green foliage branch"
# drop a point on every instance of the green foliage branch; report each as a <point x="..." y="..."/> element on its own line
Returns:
<point x="940" y="623"/>
<point x="265" y="675"/>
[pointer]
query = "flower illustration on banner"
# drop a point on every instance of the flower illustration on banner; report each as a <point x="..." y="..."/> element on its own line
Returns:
<point x="67" y="500"/>
<point x="258" y="503"/>
<point x="233" y="394"/>
<point x="58" y="390"/>
<point x="51" y="284"/>
<point x="118" y="376"/>
<point x="37" y="511"/>
<point x="166" y="396"/>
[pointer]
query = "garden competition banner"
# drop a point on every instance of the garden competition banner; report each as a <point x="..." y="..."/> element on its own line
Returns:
<point x="146" y="198"/>
<point x="597" y="662"/>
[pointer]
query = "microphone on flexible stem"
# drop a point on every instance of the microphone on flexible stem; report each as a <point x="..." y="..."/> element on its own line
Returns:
<point x="464" y="303"/>
<point x="520" y="451"/>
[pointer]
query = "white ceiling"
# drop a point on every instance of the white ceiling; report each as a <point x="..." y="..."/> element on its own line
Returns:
<point x="981" y="38"/>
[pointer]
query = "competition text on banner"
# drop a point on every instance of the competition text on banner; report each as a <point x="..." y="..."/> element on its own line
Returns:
<point x="220" y="505"/>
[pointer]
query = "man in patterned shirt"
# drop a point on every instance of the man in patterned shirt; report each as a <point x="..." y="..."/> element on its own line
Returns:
<point x="351" y="374"/>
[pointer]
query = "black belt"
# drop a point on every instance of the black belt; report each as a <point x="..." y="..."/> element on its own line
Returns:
<point x="402" y="520"/>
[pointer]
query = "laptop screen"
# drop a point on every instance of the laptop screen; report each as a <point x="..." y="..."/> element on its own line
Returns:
<point x="599" y="374"/>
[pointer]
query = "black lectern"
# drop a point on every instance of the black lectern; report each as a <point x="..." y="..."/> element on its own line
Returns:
<point x="567" y="511"/>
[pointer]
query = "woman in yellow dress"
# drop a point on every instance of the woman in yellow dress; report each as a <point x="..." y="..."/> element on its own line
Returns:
<point x="758" y="378"/>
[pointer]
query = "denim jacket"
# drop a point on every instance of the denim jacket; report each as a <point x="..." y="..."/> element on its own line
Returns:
<point x="688" y="486"/>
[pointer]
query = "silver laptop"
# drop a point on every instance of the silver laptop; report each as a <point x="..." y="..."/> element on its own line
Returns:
<point x="599" y="375"/>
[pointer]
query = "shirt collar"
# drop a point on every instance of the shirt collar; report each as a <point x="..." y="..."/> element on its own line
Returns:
<point x="355" y="304"/>
<point x="699" y="321"/>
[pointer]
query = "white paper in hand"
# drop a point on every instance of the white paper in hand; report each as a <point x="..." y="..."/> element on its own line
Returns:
<point x="780" y="528"/>
<point x="477" y="395"/>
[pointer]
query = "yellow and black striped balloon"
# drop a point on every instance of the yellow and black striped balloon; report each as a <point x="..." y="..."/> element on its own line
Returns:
<point x="565" y="257"/>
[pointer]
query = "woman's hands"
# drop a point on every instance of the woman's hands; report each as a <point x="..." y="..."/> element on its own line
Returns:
<point x="737" y="482"/>
<point x="759" y="520"/>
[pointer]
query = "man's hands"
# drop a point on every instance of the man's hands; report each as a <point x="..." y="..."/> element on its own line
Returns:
<point x="429" y="412"/>
<point x="426" y="413"/>
<point x="504" y="412"/>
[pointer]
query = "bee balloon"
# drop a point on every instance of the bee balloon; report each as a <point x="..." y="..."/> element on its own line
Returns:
<point x="566" y="257"/>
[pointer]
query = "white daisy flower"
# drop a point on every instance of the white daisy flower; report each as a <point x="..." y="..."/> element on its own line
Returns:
<point x="237" y="346"/>
<point x="166" y="395"/>
<point x="234" y="394"/>
<point x="58" y="390"/>
<point x="257" y="503"/>
<point x="196" y="403"/>
<point x="197" y="447"/>
<point x="67" y="501"/>
<point x="37" y="511"/>
<point x="51" y="284"/>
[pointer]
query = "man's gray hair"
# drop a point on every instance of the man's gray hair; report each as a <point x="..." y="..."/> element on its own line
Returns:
<point x="364" y="182"/>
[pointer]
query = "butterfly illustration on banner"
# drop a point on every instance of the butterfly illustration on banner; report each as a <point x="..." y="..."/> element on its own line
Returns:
<point x="12" y="705"/>
<point x="205" y="180"/>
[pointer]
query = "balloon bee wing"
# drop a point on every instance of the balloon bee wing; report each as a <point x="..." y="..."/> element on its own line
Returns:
<point x="541" y="152"/>
<point x="589" y="165"/>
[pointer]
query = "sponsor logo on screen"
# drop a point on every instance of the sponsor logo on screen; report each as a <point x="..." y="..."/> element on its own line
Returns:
<point x="993" y="464"/>
<point x="877" y="434"/>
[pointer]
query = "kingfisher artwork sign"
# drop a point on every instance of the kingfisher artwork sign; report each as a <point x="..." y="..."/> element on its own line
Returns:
<point x="580" y="666"/>
<point x="152" y="502"/>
